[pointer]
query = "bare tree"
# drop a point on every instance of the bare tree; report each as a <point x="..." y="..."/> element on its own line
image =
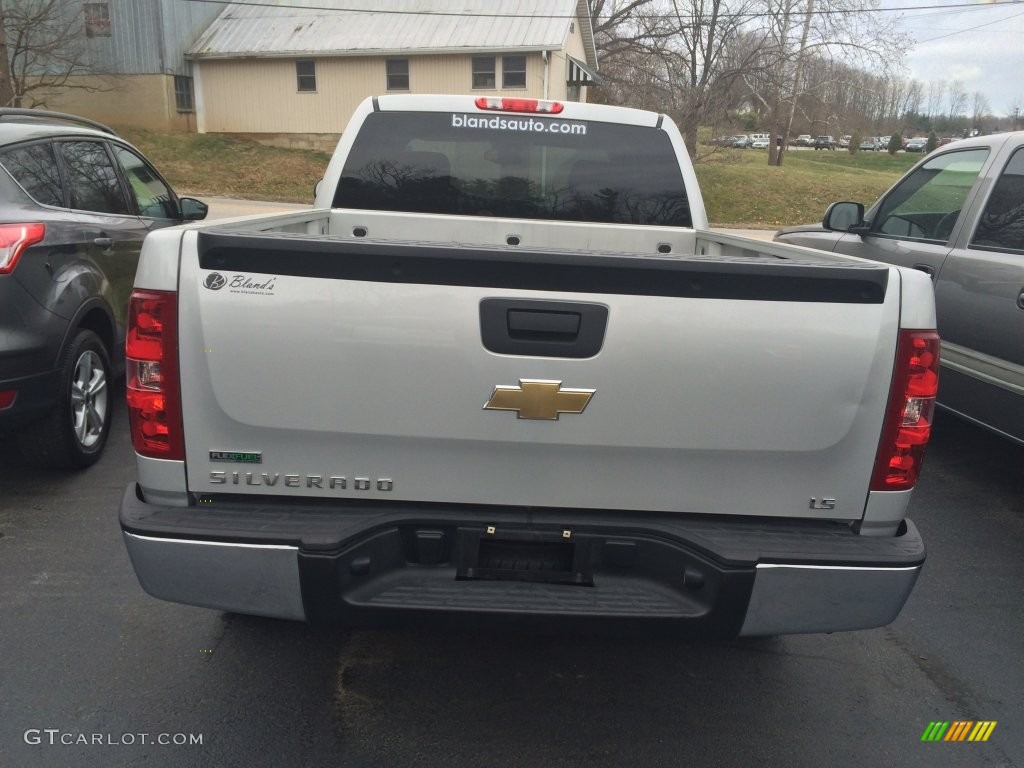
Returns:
<point x="915" y="97"/>
<point x="44" y="46"/>
<point x="933" y="98"/>
<point x="829" y="66"/>
<point x="700" y="62"/>
<point x="957" y="99"/>
<point x="980" y="109"/>
<point x="673" y="56"/>
<point x="6" y="87"/>
<point x="627" y="27"/>
<point x="628" y="40"/>
<point x="807" y="39"/>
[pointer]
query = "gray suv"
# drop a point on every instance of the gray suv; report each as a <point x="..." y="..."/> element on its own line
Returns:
<point x="76" y="202"/>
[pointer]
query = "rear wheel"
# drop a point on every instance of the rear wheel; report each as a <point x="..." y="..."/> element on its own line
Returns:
<point x="75" y="431"/>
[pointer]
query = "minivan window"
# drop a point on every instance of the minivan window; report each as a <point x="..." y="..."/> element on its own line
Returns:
<point x="34" y="167"/>
<point x="515" y="165"/>
<point x="1002" y="222"/>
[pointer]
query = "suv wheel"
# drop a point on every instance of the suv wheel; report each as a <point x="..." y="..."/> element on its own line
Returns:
<point x="75" y="431"/>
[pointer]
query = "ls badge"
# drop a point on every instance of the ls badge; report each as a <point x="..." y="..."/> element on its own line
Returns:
<point x="538" y="399"/>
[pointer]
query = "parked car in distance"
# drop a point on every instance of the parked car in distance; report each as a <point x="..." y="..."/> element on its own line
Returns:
<point x="722" y="141"/>
<point x="844" y="141"/>
<point x="760" y="143"/>
<point x="868" y="144"/>
<point x="882" y="143"/>
<point x="825" y="142"/>
<point x="804" y="140"/>
<point x="76" y="202"/>
<point x="957" y="215"/>
<point x="742" y="141"/>
<point x="917" y="144"/>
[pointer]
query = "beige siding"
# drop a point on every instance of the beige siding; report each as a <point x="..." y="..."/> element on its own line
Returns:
<point x="261" y="96"/>
<point x="454" y="74"/>
<point x="573" y="47"/>
<point x="136" y="101"/>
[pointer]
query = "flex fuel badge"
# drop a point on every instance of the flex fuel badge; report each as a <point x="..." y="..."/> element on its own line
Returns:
<point x="237" y="457"/>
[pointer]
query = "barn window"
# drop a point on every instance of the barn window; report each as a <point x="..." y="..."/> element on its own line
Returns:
<point x="513" y="71"/>
<point x="183" y="93"/>
<point x="483" y="72"/>
<point x="305" y="75"/>
<point x="97" y="20"/>
<point x="398" y="74"/>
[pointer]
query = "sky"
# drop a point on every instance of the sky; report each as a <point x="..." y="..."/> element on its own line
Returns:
<point x="979" y="42"/>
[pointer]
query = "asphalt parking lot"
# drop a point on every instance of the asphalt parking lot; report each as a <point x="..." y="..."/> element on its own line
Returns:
<point x="85" y="653"/>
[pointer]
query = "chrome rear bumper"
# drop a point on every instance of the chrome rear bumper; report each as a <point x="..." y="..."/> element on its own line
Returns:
<point x="362" y="565"/>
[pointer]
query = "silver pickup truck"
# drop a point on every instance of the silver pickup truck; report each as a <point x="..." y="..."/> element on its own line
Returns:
<point x="957" y="216"/>
<point x="503" y="373"/>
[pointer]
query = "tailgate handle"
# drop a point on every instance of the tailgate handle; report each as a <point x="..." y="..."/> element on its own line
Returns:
<point x="542" y="328"/>
<point x="543" y="324"/>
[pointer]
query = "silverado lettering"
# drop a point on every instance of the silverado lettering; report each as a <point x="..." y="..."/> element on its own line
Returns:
<point x="330" y="482"/>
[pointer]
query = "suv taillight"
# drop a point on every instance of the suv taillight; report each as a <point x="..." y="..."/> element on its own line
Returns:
<point x="14" y="239"/>
<point x="908" y="418"/>
<point x="153" y="385"/>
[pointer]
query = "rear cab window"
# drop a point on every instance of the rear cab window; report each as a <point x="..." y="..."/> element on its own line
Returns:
<point x="514" y="165"/>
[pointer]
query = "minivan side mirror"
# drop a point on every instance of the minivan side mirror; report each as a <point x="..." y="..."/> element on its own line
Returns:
<point x="843" y="217"/>
<point x="192" y="209"/>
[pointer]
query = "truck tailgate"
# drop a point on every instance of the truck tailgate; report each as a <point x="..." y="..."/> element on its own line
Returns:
<point x="345" y="369"/>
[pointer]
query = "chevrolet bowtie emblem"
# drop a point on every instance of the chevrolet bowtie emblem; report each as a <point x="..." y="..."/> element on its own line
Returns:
<point x="536" y="399"/>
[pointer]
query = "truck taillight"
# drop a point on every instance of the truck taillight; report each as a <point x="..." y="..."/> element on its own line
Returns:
<point x="153" y="385"/>
<point x="908" y="418"/>
<point x="14" y="239"/>
<point x="536" y="106"/>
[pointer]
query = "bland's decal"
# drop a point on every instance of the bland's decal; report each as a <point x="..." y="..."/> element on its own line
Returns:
<point x="259" y="286"/>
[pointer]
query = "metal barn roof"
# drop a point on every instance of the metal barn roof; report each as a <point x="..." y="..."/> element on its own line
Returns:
<point x="376" y="27"/>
